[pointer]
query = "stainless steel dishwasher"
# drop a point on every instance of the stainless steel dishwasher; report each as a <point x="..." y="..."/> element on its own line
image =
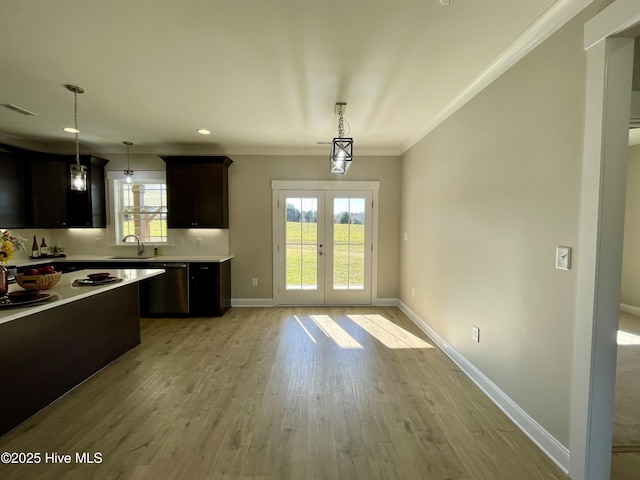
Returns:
<point x="166" y="294"/>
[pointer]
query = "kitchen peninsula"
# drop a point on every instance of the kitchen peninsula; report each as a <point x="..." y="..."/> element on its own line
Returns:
<point x="46" y="349"/>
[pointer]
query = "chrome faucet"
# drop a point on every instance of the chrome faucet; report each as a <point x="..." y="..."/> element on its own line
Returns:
<point x="140" y="244"/>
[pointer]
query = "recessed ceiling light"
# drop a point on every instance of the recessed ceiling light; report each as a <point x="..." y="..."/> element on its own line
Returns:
<point x="18" y="109"/>
<point x="71" y="130"/>
<point x="203" y="131"/>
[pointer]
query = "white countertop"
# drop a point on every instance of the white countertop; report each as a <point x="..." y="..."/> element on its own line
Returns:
<point x="111" y="259"/>
<point x="67" y="293"/>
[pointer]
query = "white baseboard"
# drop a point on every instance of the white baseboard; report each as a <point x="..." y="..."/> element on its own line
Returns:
<point x="252" y="302"/>
<point x="268" y="302"/>
<point x="385" y="302"/>
<point x="557" y="452"/>
<point x="630" y="309"/>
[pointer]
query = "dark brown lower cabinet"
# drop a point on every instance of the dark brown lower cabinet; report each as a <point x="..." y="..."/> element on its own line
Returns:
<point x="209" y="289"/>
<point x="44" y="355"/>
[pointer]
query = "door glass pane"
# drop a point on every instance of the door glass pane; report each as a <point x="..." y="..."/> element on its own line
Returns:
<point x="348" y="243"/>
<point x="301" y="244"/>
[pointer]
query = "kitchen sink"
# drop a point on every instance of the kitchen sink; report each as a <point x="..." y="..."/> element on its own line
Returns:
<point x="130" y="257"/>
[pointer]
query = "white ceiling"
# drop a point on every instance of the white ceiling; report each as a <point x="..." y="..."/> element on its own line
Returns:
<point x="262" y="75"/>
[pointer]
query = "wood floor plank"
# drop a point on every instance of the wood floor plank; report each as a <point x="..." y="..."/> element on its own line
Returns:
<point x="321" y="393"/>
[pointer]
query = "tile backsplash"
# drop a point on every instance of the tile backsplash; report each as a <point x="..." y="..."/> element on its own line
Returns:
<point x="102" y="242"/>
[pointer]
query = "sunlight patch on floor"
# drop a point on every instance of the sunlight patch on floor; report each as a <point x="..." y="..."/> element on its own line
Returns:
<point x="382" y="329"/>
<point x="626" y="338"/>
<point x="387" y="332"/>
<point x="336" y="332"/>
<point x="305" y="329"/>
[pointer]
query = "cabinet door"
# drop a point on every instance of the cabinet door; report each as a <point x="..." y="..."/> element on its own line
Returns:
<point x="211" y="208"/>
<point x="204" y="296"/>
<point x="13" y="190"/>
<point x="98" y="192"/>
<point x="49" y="191"/>
<point x="182" y="195"/>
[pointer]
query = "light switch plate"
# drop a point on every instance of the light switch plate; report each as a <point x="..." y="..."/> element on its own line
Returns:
<point x="563" y="258"/>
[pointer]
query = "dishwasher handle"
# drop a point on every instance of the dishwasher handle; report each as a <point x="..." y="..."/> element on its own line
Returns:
<point x="168" y="265"/>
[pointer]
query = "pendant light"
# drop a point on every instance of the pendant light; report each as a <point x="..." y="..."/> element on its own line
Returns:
<point x="341" y="147"/>
<point x="128" y="172"/>
<point x="78" y="173"/>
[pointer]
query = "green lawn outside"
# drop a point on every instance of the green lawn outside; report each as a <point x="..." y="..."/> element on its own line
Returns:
<point x="302" y="255"/>
<point x="157" y="229"/>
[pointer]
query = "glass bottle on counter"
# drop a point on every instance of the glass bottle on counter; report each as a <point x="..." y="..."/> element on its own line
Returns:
<point x="44" y="250"/>
<point x="35" y="250"/>
<point x="4" y="281"/>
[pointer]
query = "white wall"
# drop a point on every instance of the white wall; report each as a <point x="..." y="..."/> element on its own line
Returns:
<point x="630" y="287"/>
<point x="486" y="198"/>
<point x="250" y="214"/>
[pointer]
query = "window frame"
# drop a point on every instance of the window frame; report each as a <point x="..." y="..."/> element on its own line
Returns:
<point x="113" y="177"/>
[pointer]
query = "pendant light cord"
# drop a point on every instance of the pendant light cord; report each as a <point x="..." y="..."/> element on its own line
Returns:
<point x="75" y="125"/>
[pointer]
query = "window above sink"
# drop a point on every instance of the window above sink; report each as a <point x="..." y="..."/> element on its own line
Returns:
<point x="139" y="208"/>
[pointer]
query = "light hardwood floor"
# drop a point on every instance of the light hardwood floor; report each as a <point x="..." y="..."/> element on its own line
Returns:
<point x="626" y="465"/>
<point x="280" y="393"/>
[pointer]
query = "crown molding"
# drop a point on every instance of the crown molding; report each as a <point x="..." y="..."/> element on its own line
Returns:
<point x="548" y="23"/>
<point x="170" y="149"/>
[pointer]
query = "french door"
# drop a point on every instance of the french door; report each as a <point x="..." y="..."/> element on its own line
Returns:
<point x="324" y="247"/>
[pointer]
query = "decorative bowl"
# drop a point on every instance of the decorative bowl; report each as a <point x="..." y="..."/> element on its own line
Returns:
<point x="98" y="276"/>
<point x="22" y="295"/>
<point x="38" y="282"/>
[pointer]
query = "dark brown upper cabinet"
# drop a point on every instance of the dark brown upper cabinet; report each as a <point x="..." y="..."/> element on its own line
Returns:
<point x="197" y="191"/>
<point x="54" y="205"/>
<point x="49" y="191"/>
<point x="14" y="195"/>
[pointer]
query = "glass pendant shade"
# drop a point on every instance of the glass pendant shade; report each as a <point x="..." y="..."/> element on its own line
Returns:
<point x="78" y="178"/>
<point x="341" y="155"/>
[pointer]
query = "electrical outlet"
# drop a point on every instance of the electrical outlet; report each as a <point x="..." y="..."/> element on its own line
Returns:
<point x="476" y="334"/>
<point x="254" y="282"/>
<point x="198" y="243"/>
<point x="413" y="292"/>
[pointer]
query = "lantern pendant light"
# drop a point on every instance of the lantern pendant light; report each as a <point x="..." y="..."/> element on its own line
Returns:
<point x="77" y="172"/>
<point x="341" y="147"/>
<point x="128" y="172"/>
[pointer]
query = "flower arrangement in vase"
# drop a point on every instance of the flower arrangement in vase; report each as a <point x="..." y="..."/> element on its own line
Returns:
<point x="9" y="243"/>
